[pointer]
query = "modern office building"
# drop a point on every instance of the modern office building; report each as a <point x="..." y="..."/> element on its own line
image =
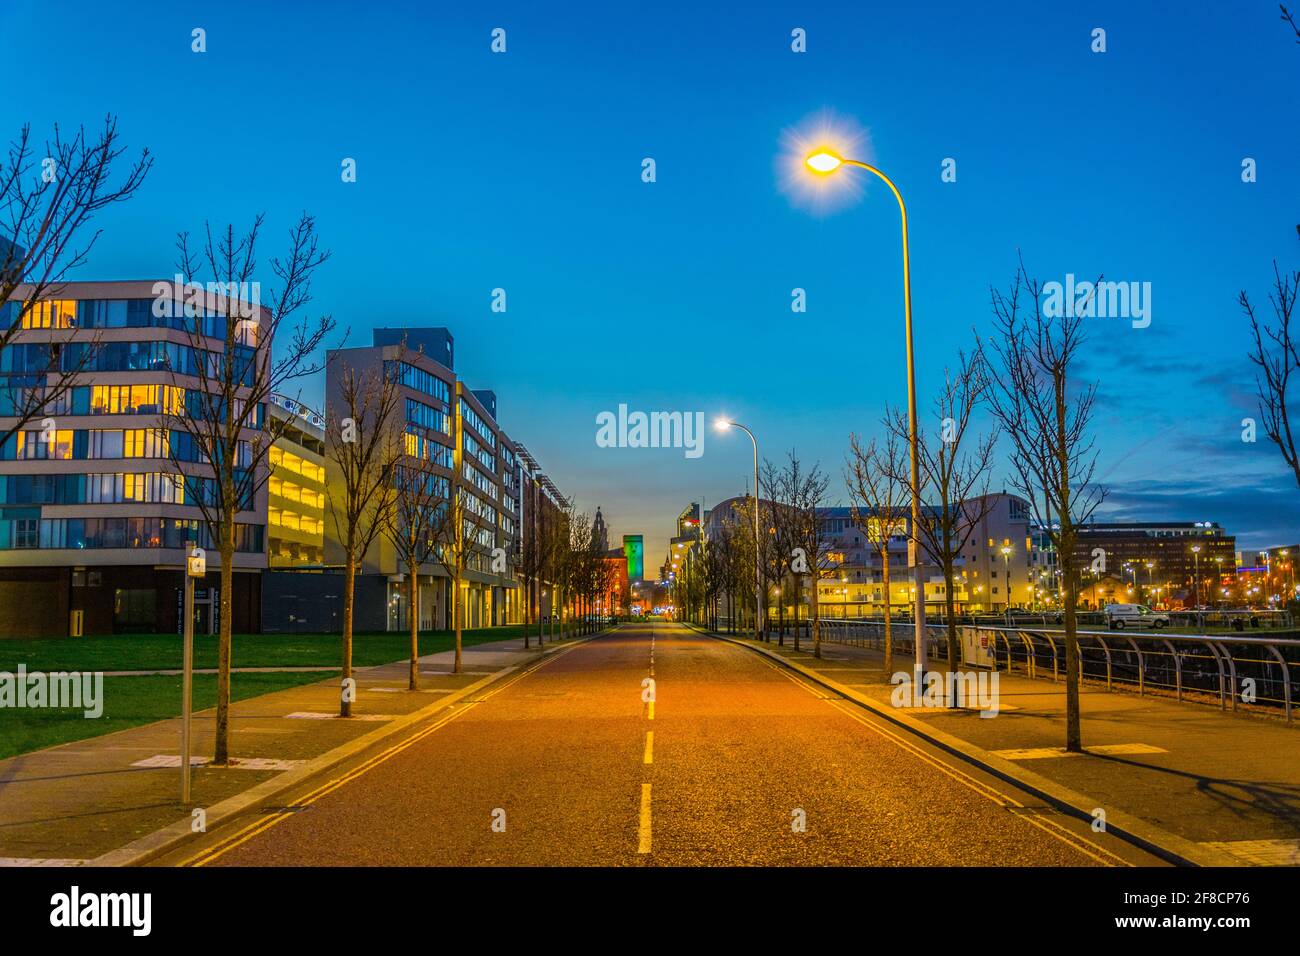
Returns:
<point x="543" y="510"/>
<point x="295" y="520"/>
<point x="454" y="428"/>
<point x="1164" y="562"/>
<point x="93" y="516"/>
<point x="992" y="573"/>
<point x="634" y="548"/>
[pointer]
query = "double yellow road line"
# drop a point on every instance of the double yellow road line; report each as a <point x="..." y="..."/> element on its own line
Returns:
<point x="460" y="708"/>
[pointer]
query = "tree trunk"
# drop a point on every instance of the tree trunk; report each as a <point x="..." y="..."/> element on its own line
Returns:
<point x="816" y="621"/>
<point x="413" y="611"/>
<point x="1073" y="733"/>
<point x="349" y="595"/>
<point x="528" y="608"/>
<point x="457" y="613"/>
<point x="796" y="612"/>
<point x="221" y="752"/>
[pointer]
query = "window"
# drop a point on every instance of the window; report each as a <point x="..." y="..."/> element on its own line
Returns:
<point x="53" y="314"/>
<point x="26" y="532"/>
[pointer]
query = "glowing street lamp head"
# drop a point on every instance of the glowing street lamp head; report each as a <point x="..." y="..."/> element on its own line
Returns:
<point x="722" y="424"/>
<point x="823" y="161"/>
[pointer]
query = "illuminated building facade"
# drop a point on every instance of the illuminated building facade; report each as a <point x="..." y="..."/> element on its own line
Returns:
<point x="93" y="517"/>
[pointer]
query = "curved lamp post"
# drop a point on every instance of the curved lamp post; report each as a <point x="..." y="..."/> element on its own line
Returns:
<point x="722" y="424"/>
<point x="825" y="162"/>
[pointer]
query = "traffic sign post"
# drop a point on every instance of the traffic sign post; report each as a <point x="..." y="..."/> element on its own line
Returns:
<point x="195" y="567"/>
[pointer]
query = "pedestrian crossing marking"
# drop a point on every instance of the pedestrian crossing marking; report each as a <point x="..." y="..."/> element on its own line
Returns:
<point x="236" y="763"/>
<point x="1259" y="852"/>
<point x="1100" y="750"/>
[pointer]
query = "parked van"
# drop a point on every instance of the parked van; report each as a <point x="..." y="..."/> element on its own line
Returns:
<point x="1119" y="616"/>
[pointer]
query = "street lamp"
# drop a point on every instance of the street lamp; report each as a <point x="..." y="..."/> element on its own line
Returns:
<point x="1006" y="559"/>
<point x="823" y="162"/>
<point x="1196" y="571"/>
<point x="722" y="424"/>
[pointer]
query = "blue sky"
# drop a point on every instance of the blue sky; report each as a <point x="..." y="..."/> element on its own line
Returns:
<point x="522" y="171"/>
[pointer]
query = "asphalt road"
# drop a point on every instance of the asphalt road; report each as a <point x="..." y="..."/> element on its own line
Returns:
<point x="737" y="762"/>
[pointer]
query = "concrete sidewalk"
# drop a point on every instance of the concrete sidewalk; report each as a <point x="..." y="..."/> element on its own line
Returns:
<point x="1229" y="784"/>
<point x="72" y="803"/>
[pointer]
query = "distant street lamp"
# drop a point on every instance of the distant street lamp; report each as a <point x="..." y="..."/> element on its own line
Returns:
<point x="1196" y="571"/>
<point x="824" y="162"/>
<point x="722" y="424"/>
<point x="1006" y="558"/>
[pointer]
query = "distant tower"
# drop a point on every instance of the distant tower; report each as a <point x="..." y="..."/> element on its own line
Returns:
<point x="599" y="533"/>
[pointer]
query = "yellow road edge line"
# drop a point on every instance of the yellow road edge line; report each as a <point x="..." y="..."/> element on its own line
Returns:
<point x="1034" y="817"/>
<point x="257" y="827"/>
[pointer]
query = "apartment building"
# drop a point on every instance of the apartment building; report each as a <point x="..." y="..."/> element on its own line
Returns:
<point x="93" y="514"/>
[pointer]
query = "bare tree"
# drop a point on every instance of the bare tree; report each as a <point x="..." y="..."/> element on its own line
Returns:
<point x="802" y="495"/>
<point x="48" y="196"/>
<point x="955" y="471"/>
<point x="532" y="560"/>
<point x="240" y="352"/>
<point x="778" y="544"/>
<point x="417" y="521"/>
<point x="364" y="441"/>
<point x="1276" y="356"/>
<point x="1286" y="15"/>
<point x="462" y="546"/>
<point x="1047" y="418"/>
<point x="877" y="497"/>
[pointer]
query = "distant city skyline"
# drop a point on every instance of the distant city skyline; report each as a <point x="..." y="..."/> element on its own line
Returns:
<point x="516" y="171"/>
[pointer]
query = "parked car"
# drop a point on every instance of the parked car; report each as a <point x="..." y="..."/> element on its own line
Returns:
<point x="1119" y="616"/>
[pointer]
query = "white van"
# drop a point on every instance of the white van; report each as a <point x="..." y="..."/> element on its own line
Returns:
<point x="1119" y="616"/>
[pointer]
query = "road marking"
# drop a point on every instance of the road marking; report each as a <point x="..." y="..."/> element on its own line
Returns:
<point x="1100" y="750"/>
<point x="1260" y="852"/>
<point x="649" y="746"/>
<point x="650" y="711"/>
<point x="321" y="715"/>
<point x="643" y="843"/>
<point x="1033" y="816"/>
<point x="7" y="861"/>
<point x="236" y="763"/>
<point x="246" y="833"/>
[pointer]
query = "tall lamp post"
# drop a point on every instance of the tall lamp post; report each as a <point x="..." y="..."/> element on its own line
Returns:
<point x="825" y="162"/>
<point x="722" y="424"/>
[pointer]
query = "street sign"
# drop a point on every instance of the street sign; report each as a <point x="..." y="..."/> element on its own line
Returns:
<point x="197" y="563"/>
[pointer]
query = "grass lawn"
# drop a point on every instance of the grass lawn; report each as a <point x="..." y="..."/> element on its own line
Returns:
<point x="130" y="702"/>
<point x="129" y="652"/>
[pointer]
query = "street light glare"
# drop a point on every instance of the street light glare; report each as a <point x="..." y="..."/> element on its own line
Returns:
<point x="722" y="424"/>
<point x="823" y="161"/>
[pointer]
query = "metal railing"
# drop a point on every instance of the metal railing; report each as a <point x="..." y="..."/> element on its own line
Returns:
<point x="1238" y="670"/>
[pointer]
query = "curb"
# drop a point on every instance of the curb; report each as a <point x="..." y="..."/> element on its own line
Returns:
<point x="155" y="844"/>
<point x="1146" y="836"/>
